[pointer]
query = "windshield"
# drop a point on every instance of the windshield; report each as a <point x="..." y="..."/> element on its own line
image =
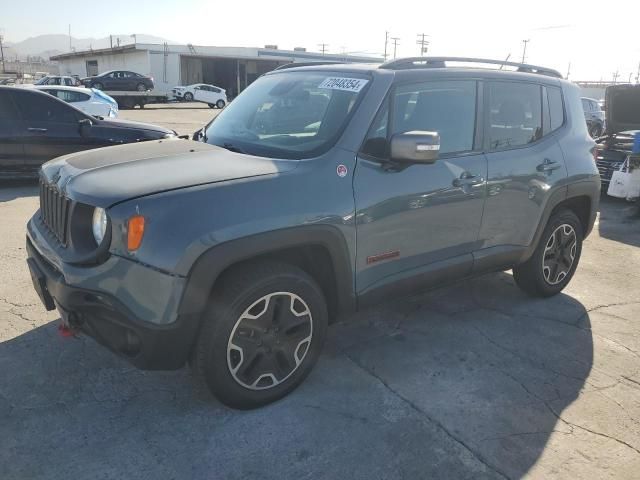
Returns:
<point x="288" y="115"/>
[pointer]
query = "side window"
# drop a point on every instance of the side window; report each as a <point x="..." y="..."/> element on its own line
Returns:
<point x="8" y="114"/>
<point x="70" y="97"/>
<point x="448" y="108"/>
<point x="36" y="107"/>
<point x="514" y="114"/>
<point x="214" y="89"/>
<point x="556" y="109"/>
<point x="585" y="105"/>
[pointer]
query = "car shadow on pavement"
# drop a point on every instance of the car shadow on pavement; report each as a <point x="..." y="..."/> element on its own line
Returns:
<point x="11" y="190"/>
<point x="468" y="381"/>
<point x="620" y="220"/>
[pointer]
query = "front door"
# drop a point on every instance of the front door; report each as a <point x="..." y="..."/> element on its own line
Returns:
<point x="49" y="127"/>
<point x="418" y="224"/>
<point x="11" y="141"/>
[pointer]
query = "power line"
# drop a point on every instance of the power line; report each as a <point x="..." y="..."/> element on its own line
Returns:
<point x="424" y="44"/>
<point x="386" y="40"/>
<point x="323" y="47"/>
<point x="524" y="49"/>
<point x="395" y="45"/>
<point x="2" y="53"/>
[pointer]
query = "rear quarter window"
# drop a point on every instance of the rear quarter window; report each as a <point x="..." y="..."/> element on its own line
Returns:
<point x="556" y="107"/>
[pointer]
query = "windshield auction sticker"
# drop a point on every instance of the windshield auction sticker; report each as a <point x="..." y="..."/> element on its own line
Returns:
<point x="341" y="83"/>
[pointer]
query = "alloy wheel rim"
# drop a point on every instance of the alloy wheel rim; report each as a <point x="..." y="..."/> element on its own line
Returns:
<point x="559" y="254"/>
<point x="270" y="340"/>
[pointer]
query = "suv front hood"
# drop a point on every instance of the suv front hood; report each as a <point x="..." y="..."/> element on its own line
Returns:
<point x="622" y="103"/>
<point x="106" y="176"/>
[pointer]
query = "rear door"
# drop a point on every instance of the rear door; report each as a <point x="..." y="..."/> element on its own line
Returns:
<point x="49" y="127"/>
<point x="11" y="139"/>
<point x="526" y="164"/>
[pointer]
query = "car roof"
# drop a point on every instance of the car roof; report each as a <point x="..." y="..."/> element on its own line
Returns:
<point x="416" y="74"/>
<point x="64" y="87"/>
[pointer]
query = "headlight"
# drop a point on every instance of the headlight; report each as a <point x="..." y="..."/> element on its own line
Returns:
<point x="99" y="224"/>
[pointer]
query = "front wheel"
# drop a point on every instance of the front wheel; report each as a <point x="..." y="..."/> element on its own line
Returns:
<point x="261" y="335"/>
<point x="220" y="103"/>
<point x="141" y="87"/>
<point x="188" y="97"/>
<point x="555" y="259"/>
<point x="98" y="86"/>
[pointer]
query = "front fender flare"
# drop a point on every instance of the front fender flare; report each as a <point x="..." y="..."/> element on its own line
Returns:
<point x="208" y="267"/>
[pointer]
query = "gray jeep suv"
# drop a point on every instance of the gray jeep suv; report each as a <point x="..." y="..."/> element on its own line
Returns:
<point x="318" y="191"/>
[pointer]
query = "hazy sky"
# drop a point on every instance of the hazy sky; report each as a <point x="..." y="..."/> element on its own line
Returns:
<point x="596" y="43"/>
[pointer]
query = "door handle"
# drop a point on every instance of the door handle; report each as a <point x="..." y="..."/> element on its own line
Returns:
<point x="548" y="166"/>
<point x="467" y="179"/>
<point x="37" y="130"/>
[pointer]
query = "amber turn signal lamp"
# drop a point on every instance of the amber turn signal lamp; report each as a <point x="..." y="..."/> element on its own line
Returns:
<point x="135" y="232"/>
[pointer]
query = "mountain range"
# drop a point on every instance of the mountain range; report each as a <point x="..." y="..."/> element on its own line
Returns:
<point x="46" y="46"/>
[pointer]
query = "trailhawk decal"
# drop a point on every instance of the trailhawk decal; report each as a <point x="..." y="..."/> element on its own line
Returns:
<point x="341" y="83"/>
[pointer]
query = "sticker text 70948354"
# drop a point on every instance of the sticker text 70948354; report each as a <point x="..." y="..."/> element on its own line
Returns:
<point x="341" y="83"/>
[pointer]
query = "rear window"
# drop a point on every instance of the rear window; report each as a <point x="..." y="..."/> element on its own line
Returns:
<point x="515" y="114"/>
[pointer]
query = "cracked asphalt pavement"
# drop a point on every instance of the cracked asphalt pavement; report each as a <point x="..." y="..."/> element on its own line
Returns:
<point x="474" y="381"/>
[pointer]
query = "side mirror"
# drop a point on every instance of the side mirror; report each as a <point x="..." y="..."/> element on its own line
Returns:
<point x="415" y="147"/>
<point x="85" y="126"/>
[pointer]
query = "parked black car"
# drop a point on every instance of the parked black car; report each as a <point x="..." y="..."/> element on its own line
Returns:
<point x="121" y="80"/>
<point x="622" y="122"/>
<point x="36" y="127"/>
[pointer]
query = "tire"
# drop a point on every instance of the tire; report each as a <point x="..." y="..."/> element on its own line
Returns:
<point x="141" y="87"/>
<point x="542" y="275"/>
<point x="220" y="104"/>
<point x="247" y="318"/>
<point x="211" y="105"/>
<point x="595" y="130"/>
<point x="98" y="86"/>
<point x="188" y="97"/>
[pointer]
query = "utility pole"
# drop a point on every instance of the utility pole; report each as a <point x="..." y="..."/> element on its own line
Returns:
<point x="70" y="37"/>
<point x="111" y="40"/>
<point x="2" y="52"/>
<point x="386" y="40"/>
<point x="568" y="71"/>
<point x="424" y="44"/>
<point x="524" y="49"/>
<point x="395" y="45"/>
<point x="323" y="47"/>
<point x="616" y="74"/>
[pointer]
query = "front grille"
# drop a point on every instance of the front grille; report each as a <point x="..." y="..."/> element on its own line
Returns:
<point x="54" y="211"/>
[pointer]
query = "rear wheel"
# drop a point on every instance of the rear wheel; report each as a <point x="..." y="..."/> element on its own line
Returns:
<point x="98" y="86"/>
<point x="188" y="97"/>
<point x="555" y="259"/>
<point x="220" y="103"/>
<point x="141" y="87"/>
<point x="261" y="335"/>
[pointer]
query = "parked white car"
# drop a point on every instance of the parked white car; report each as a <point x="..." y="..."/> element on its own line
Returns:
<point x="202" y="92"/>
<point x="90" y="100"/>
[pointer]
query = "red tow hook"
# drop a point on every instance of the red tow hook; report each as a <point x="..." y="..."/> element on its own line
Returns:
<point x="67" y="331"/>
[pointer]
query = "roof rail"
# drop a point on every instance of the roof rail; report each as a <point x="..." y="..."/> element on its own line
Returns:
<point x="307" y="64"/>
<point x="441" y="62"/>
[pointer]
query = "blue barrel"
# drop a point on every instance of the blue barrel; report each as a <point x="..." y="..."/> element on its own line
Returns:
<point x="636" y="143"/>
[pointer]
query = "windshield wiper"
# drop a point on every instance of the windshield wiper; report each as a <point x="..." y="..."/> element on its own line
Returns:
<point x="232" y="148"/>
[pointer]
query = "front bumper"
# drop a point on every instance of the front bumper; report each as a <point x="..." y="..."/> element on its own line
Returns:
<point x="110" y="318"/>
